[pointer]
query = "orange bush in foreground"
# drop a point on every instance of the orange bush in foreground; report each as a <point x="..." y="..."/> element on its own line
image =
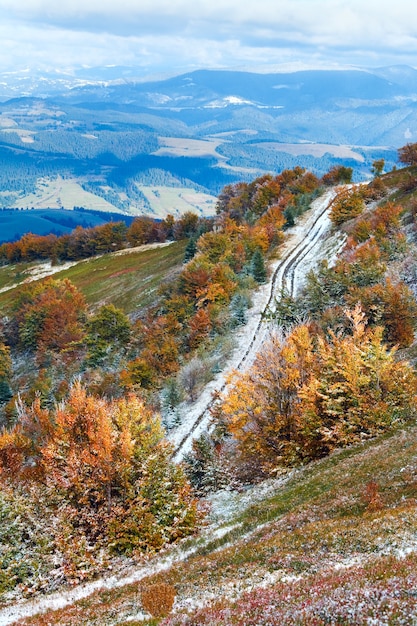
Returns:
<point x="306" y="395"/>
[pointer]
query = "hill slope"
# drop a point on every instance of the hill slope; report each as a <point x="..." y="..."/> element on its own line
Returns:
<point x="334" y="541"/>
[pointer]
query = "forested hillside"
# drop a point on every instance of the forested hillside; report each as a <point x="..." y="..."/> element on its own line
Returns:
<point x="89" y="386"/>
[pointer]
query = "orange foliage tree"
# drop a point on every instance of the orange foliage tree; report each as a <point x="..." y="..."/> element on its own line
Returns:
<point x="103" y="468"/>
<point x="262" y="407"/>
<point x="307" y="395"/>
<point x="50" y="315"/>
<point x="408" y="154"/>
<point x="393" y="306"/>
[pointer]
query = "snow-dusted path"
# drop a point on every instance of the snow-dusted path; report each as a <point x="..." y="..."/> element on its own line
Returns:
<point x="225" y="503"/>
<point x="302" y="250"/>
<point x="60" y="599"/>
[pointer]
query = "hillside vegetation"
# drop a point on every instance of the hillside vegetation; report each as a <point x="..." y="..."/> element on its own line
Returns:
<point x="60" y="434"/>
<point x="325" y="413"/>
<point x="333" y="542"/>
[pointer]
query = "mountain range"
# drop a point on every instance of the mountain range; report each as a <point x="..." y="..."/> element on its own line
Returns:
<point x="102" y="138"/>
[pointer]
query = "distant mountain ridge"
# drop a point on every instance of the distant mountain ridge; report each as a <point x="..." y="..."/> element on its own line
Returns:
<point x="387" y="81"/>
<point x="109" y="131"/>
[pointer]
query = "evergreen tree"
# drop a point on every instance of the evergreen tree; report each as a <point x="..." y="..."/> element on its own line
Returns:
<point x="238" y="307"/>
<point x="5" y="373"/>
<point x="258" y="269"/>
<point x="190" y="249"/>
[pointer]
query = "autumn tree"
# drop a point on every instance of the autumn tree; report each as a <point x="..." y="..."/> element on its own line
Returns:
<point x="143" y="230"/>
<point x="161" y="339"/>
<point x="109" y="237"/>
<point x="261" y="407"/>
<point x="348" y="204"/>
<point x="378" y="167"/>
<point x="375" y="190"/>
<point x="199" y="327"/>
<point x="187" y="226"/>
<point x="50" y="315"/>
<point x="215" y="246"/>
<point x="390" y="305"/>
<point x="383" y="223"/>
<point x="408" y="154"/>
<point x="104" y="468"/>
<point x="337" y="175"/>
<point x="306" y="395"/>
<point x="357" y="390"/>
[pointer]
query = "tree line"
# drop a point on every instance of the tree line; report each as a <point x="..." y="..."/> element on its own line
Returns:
<point x="83" y="243"/>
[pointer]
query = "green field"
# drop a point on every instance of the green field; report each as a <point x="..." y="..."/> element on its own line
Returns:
<point x="129" y="280"/>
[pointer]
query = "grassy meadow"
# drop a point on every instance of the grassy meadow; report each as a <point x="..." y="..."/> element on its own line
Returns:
<point x="129" y="280"/>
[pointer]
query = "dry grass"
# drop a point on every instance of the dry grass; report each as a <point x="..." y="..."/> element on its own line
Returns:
<point x="158" y="599"/>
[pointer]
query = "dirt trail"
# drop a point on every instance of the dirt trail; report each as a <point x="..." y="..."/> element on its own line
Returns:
<point x="302" y="250"/>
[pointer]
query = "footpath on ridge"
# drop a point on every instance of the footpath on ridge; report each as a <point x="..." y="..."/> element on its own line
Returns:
<point x="303" y="248"/>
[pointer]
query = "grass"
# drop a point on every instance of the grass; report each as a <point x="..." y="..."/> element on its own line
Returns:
<point x="130" y="281"/>
<point x="13" y="274"/>
<point x="320" y="531"/>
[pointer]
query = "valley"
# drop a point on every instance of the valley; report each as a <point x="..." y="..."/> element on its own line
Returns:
<point x="108" y="145"/>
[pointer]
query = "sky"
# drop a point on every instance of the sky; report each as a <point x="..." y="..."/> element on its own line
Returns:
<point x="171" y="36"/>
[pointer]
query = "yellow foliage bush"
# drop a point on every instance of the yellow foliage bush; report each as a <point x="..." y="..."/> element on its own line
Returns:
<point x="307" y="395"/>
<point x="348" y="204"/>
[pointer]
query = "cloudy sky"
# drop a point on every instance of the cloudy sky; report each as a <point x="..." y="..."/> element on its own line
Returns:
<point x="175" y="35"/>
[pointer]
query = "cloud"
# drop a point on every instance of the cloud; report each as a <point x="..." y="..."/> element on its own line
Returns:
<point x="190" y="33"/>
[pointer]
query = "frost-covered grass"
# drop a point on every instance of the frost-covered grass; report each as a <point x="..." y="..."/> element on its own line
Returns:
<point x="335" y="542"/>
<point x="377" y="593"/>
